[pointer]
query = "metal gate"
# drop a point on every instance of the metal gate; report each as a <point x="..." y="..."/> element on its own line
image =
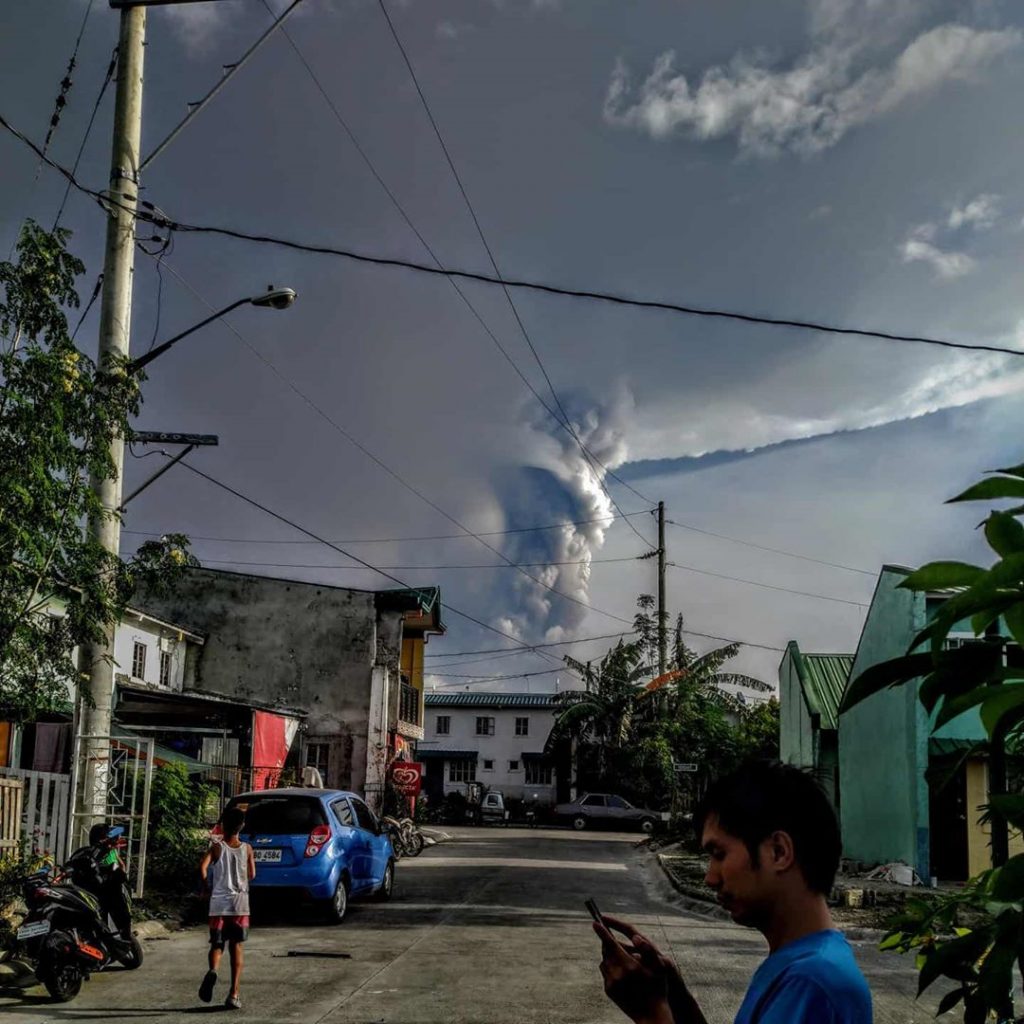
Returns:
<point x="128" y="778"/>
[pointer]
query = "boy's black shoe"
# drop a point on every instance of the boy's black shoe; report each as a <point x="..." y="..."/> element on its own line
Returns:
<point x="206" y="988"/>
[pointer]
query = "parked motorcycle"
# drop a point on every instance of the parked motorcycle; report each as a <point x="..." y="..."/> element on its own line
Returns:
<point x="99" y="869"/>
<point x="66" y="934"/>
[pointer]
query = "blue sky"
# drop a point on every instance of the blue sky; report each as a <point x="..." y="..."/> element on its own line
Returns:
<point x="851" y="162"/>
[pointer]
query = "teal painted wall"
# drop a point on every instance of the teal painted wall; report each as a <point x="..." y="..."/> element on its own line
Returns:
<point x="880" y="754"/>
<point x="796" y="735"/>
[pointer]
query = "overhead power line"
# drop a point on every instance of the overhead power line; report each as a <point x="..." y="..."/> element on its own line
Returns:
<point x="398" y="540"/>
<point x="88" y="131"/>
<point x="766" y="586"/>
<point x="765" y="547"/>
<point x="229" y="70"/>
<point x="412" y="568"/>
<point x="522" y="283"/>
<point x="562" y="421"/>
<point x="589" y="458"/>
<point x="484" y="678"/>
<point x="505" y="650"/>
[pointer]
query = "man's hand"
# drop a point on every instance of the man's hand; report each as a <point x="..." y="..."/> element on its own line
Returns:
<point x="634" y="979"/>
<point x="682" y="1006"/>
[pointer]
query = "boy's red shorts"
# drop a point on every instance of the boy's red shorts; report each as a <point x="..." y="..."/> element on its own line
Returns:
<point x="228" y="929"/>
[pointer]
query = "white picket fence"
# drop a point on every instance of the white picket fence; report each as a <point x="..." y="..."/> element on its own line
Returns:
<point x="45" y="811"/>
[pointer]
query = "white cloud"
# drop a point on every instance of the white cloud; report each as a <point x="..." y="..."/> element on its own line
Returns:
<point x="841" y="82"/>
<point x="751" y="418"/>
<point x="947" y="263"/>
<point x="979" y="213"/>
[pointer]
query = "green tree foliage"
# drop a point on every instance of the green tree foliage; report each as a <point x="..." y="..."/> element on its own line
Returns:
<point x="58" y="413"/>
<point x="628" y="732"/>
<point x="179" y="807"/>
<point x="986" y="677"/>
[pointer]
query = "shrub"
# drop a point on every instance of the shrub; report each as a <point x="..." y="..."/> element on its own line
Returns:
<point x="177" y="838"/>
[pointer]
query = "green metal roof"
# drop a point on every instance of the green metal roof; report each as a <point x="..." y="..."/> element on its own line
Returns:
<point x="823" y="678"/>
<point x="489" y="700"/>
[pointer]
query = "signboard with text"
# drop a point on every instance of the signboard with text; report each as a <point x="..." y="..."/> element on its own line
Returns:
<point x="407" y="777"/>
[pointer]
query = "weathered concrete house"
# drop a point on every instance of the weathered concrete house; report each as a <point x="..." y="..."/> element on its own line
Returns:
<point x="351" y="660"/>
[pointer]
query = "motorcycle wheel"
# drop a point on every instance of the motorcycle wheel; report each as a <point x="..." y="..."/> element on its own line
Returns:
<point x="132" y="960"/>
<point x="62" y="978"/>
<point x="414" y="844"/>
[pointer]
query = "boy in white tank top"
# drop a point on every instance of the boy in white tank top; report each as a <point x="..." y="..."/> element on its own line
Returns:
<point x="227" y="867"/>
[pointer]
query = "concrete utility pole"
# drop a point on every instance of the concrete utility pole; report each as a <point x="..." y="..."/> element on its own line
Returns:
<point x="662" y="613"/>
<point x="115" y="324"/>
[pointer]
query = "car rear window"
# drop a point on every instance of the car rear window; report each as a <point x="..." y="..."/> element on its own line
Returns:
<point x="281" y="815"/>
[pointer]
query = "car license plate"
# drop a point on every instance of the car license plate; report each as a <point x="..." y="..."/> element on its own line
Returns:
<point x="36" y="928"/>
<point x="267" y="855"/>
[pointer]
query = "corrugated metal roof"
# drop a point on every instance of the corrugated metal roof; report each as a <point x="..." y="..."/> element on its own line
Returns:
<point x="489" y="700"/>
<point x="824" y="678"/>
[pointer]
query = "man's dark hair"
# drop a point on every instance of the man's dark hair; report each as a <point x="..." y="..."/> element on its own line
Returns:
<point x="762" y="797"/>
<point x="231" y="821"/>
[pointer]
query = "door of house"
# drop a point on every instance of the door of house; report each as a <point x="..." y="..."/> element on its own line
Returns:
<point x="948" y="820"/>
<point x="433" y="782"/>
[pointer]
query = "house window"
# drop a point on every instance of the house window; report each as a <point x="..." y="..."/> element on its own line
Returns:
<point x="165" y="668"/>
<point x="513" y="766"/>
<point x="139" y="661"/>
<point x="522" y="727"/>
<point x="538" y="774"/>
<point x="488" y="765"/>
<point x="462" y="771"/>
<point x="317" y="757"/>
<point x="444" y="725"/>
<point x="484" y="726"/>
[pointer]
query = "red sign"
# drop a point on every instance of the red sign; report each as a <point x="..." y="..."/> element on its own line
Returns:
<point x="407" y="777"/>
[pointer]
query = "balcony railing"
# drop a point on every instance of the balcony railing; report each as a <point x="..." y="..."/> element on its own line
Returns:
<point x="409" y="704"/>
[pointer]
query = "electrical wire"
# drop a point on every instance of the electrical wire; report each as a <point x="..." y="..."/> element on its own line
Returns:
<point x="412" y="568"/>
<point x="764" y="547"/>
<point x="562" y="421"/>
<point x="85" y="138"/>
<point x="397" y="477"/>
<point x="88" y="305"/>
<point x="383" y="572"/>
<point x="65" y="87"/>
<point x="766" y="586"/>
<point x="396" y="540"/>
<point x="508" y="295"/>
<point x="504" y="650"/>
<point x="106" y="200"/>
<point x="229" y="70"/>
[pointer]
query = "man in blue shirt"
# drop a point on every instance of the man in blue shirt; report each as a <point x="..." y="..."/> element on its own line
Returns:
<point x="773" y="849"/>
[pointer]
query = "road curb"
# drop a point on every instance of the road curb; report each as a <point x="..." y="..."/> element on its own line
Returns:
<point x="688" y="901"/>
<point x="433" y="837"/>
<point x="704" y="907"/>
<point x="151" y="929"/>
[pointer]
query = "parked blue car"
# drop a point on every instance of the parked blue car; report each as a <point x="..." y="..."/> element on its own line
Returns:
<point x="325" y="843"/>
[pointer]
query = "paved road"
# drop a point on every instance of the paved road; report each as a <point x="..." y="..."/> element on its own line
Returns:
<point x="489" y="928"/>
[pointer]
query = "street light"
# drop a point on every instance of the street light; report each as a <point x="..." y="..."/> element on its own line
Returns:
<point x="273" y="298"/>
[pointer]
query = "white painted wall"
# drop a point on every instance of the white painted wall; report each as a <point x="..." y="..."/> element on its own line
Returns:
<point x="131" y="631"/>
<point x="501" y="748"/>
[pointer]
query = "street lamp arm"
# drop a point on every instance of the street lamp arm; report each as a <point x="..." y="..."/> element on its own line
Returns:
<point x="135" y="365"/>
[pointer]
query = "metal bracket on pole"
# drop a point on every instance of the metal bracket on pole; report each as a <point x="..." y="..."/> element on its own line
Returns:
<point x="190" y="441"/>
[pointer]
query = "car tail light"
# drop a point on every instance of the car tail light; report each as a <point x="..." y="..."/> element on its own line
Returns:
<point x="317" y="838"/>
